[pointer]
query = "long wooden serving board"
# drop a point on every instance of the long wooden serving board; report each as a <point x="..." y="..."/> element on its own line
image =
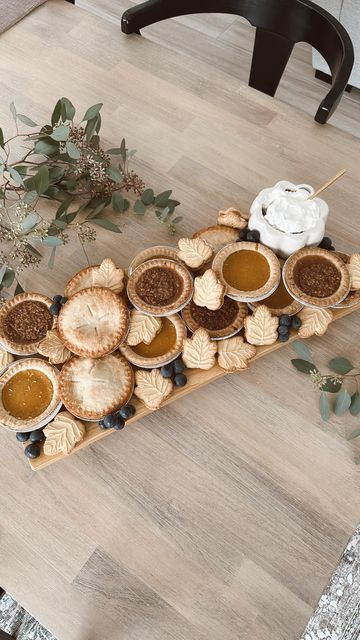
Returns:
<point x="196" y="378"/>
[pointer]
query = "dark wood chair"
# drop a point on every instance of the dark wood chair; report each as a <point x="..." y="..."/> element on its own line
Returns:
<point x="280" y="24"/>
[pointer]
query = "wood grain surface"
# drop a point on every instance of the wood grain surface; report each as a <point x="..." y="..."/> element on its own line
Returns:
<point x="223" y="515"/>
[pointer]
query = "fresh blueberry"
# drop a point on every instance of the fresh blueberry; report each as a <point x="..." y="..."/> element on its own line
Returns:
<point x="296" y="322"/>
<point x="101" y="424"/>
<point x="332" y="248"/>
<point x="57" y="298"/>
<point x="325" y="243"/>
<point x="62" y="300"/>
<point x="167" y="371"/>
<point x="109" y="420"/>
<point x="242" y="235"/>
<point x="253" y="236"/>
<point x="283" y="330"/>
<point x="178" y="366"/>
<point x="22" y="437"/>
<point x="283" y="337"/>
<point x="128" y="411"/>
<point x="32" y="450"/>
<point x="120" y="423"/>
<point x="55" y="308"/>
<point x="180" y="380"/>
<point x="285" y="320"/>
<point x="37" y="436"/>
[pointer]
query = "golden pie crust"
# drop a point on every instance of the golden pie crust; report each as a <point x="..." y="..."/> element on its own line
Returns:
<point x="218" y="236"/>
<point x="92" y="388"/>
<point x="106" y="274"/>
<point x="26" y="348"/>
<point x="16" y="424"/>
<point x="216" y="334"/>
<point x="156" y="309"/>
<point x="151" y="253"/>
<point x="259" y="293"/>
<point x="292" y="284"/>
<point x="141" y="361"/>
<point x="93" y="322"/>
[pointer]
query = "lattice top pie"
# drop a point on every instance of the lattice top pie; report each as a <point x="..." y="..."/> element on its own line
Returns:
<point x="93" y="322"/>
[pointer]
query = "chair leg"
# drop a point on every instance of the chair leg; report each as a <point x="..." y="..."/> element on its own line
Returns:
<point x="144" y="14"/>
<point x="270" y="56"/>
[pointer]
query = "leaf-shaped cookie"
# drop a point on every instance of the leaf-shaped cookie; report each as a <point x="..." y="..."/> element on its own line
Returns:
<point x="53" y="348"/>
<point x="354" y="270"/>
<point x="234" y="353"/>
<point x="261" y="327"/>
<point x="314" y="321"/>
<point x="152" y="388"/>
<point x="209" y="291"/>
<point x="199" y="351"/>
<point x="109" y="276"/>
<point x="232" y="218"/>
<point x="143" y="328"/>
<point x="194" y="252"/>
<point x="62" y="434"/>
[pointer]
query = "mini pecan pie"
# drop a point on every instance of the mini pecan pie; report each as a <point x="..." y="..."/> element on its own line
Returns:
<point x="165" y="346"/>
<point x="29" y="395"/>
<point x="151" y="253"/>
<point x="24" y="322"/>
<point x="160" y="287"/>
<point x="249" y="270"/>
<point x="316" y="277"/>
<point x="222" y="323"/>
<point x="93" y="322"/>
<point x="92" y="388"/>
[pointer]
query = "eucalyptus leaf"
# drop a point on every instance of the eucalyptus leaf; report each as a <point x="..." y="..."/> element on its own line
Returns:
<point x="42" y="180"/>
<point x="98" y="124"/>
<point x="302" y="350"/>
<point x="56" y="173"/>
<point x="304" y="366"/>
<point x="13" y="111"/>
<point x="355" y="404"/>
<point x="29" y="197"/>
<point x="46" y="147"/>
<point x="118" y="202"/>
<point x="340" y="365"/>
<point x="324" y="407"/>
<point x="18" y="289"/>
<point x="123" y="150"/>
<point x="52" y="241"/>
<point x="114" y="174"/>
<point x="8" y="278"/>
<point x="16" y="176"/>
<point x="63" y="207"/>
<point x="33" y="250"/>
<point x="90" y="128"/>
<point x="1" y="138"/>
<point x="68" y="109"/>
<point x="2" y="272"/>
<point x="51" y="260"/>
<point x="177" y="220"/>
<point x="331" y="385"/>
<point x="69" y="217"/>
<point x="139" y="207"/>
<point x="106" y="224"/>
<point x="92" y="112"/>
<point x="96" y="211"/>
<point x="342" y="403"/>
<point x="26" y="120"/>
<point x="147" y="197"/>
<point x="21" y="169"/>
<point x="354" y="434"/>
<point x="113" y="152"/>
<point x="30" y="221"/>
<point x="161" y="200"/>
<point x="72" y="150"/>
<point x="60" y="224"/>
<point x="61" y="133"/>
<point x="56" y="114"/>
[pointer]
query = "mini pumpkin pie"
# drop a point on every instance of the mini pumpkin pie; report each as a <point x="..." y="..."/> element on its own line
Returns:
<point x="92" y="388"/>
<point x="93" y="322"/>
<point x="160" y="287"/>
<point x="280" y="302"/>
<point x="218" y="236"/>
<point x="219" y="324"/>
<point x="151" y="253"/>
<point x="316" y="277"/>
<point x="249" y="270"/>
<point x="164" y="347"/>
<point x="29" y="395"/>
<point x="24" y="322"/>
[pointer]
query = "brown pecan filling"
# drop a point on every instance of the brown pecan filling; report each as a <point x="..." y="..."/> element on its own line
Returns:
<point x="215" y="320"/>
<point x="28" y="322"/>
<point x="159" y="286"/>
<point x="318" y="278"/>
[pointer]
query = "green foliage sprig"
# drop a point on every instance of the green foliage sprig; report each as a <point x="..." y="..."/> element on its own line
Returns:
<point x="65" y="166"/>
<point x="343" y="383"/>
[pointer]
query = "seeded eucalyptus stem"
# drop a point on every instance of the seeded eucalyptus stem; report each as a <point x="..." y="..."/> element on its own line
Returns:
<point x="81" y="181"/>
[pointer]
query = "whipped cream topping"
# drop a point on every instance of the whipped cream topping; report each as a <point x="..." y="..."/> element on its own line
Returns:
<point x="291" y="211"/>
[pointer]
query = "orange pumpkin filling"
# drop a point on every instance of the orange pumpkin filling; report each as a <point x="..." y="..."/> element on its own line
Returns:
<point x="246" y="270"/>
<point x="27" y="394"/>
<point x="280" y="299"/>
<point x="161" y="344"/>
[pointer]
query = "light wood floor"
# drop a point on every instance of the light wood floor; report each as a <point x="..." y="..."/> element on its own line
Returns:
<point x="225" y="42"/>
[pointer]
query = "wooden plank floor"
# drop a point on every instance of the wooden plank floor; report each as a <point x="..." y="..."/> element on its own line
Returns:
<point x="223" y="515"/>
